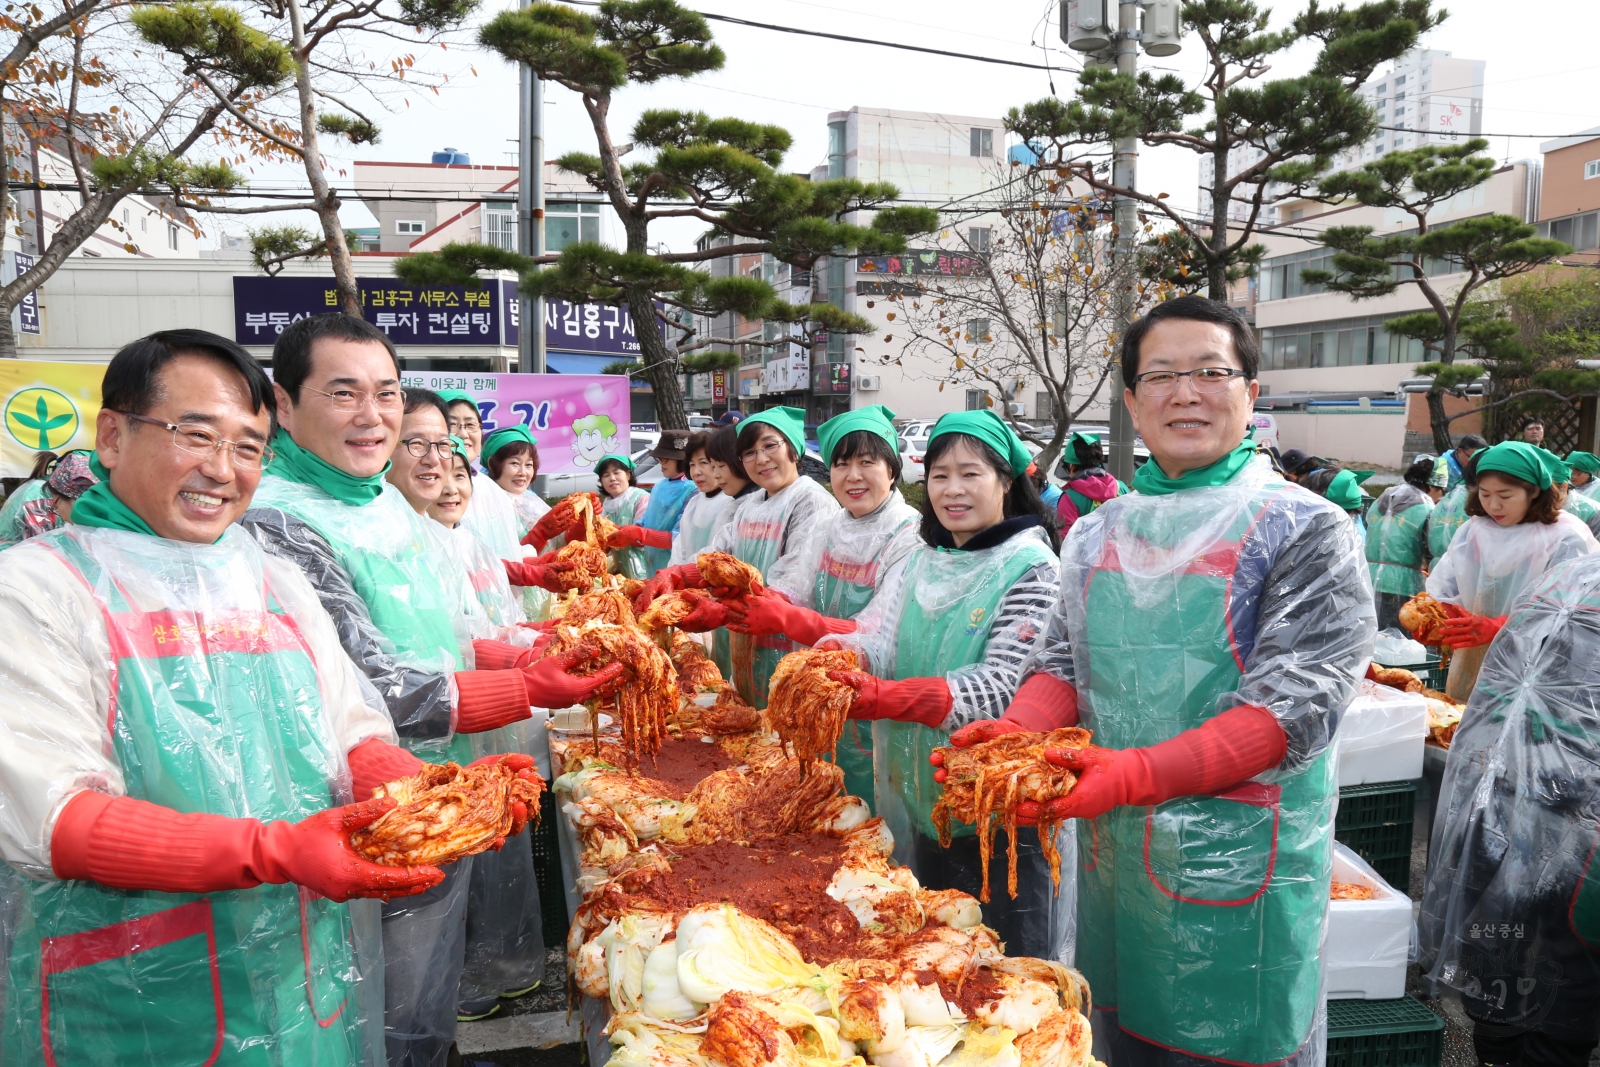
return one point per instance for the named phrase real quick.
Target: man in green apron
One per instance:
(180, 743)
(326, 507)
(1211, 627)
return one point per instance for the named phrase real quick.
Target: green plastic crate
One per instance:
(1384, 1033)
(1375, 822)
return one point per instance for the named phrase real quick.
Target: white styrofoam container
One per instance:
(1369, 941)
(1381, 735)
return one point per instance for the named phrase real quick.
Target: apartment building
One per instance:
(1569, 198)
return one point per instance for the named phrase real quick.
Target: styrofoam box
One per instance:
(1364, 957)
(1381, 735)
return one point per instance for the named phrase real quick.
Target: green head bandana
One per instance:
(459, 447)
(1151, 481)
(1587, 462)
(790, 422)
(1559, 471)
(505, 436)
(626, 461)
(1518, 459)
(99, 506)
(298, 465)
(456, 396)
(875, 419)
(1345, 490)
(1088, 440)
(987, 427)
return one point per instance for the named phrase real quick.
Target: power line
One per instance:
(859, 40)
(1441, 133)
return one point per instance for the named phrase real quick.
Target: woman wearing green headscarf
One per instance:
(1573, 502)
(1585, 473)
(768, 531)
(1516, 531)
(1397, 541)
(846, 559)
(943, 644)
(624, 503)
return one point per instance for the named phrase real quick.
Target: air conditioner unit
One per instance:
(867, 383)
(1014, 409)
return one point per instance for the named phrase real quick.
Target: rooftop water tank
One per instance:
(450, 155)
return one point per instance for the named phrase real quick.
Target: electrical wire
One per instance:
(1441, 133)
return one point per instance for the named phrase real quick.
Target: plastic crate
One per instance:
(547, 872)
(1432, 675)
(1384, 1033)
(1375, 821)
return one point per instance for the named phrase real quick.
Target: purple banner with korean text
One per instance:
(920, 261)
(576, 418)
(410, 315)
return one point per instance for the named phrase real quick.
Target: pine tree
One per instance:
(1486, 248)
(1298, 125)
(678, 164)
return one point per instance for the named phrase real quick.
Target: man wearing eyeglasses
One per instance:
(325, 505)
(177, 743)
(1211, 626)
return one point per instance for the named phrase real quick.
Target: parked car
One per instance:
(701, 422)
(913, 446)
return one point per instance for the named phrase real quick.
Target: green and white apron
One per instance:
(215, 708)
(1200, 919)
(384, 548)
(625, 509)
(949, 598)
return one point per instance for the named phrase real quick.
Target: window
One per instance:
(172, 236)
(1591, 169)
(1401, 80)
(978, 238)
(144, 225)
(566, 222)
(500, 227)
(982, 143)
(125, 217)
(836, 153)
(978, 330)
(1042, 408)
(977, 400)
(410, 226)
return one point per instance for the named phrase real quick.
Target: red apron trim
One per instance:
(305, 951)
(750, 530)
(854, 573)
(154, 634)
(481, 580)
(85, 949)
(1209, 1059)
(1250, 793)
(1572, 905)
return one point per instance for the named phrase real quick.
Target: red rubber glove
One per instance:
(522, 765)
(1452, 611)
(1043, 703)
(500, 656)
(924, 700)
(374, 762)
(1470, 631)
(131, 844)
(549, 527)
(550, 683)
(769, 613)
(542, 575)
(666, 580)
(707, 615)
(1229, 749)
(635, 536)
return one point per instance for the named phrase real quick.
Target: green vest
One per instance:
(949, 599)
(216, 709)
(1397, 546)
(384, 549)
(621, 509)
(1444, 520)
(1200, 920)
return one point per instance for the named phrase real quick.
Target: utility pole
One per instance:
(530, 215)
(1087, 26)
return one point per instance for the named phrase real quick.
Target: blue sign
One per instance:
(600, 329)
(28, 309)
(410, 315)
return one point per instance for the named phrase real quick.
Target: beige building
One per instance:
(1569, 204)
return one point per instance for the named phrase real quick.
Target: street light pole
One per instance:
(530, 215)
(1124, 174)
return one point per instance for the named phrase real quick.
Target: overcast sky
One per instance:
(1540, 81)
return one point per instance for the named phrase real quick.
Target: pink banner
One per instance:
(576, 418)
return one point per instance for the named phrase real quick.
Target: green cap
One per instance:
(626, 461)
(987, 427)
(791, 422)
(1518, 459)
(875, 419)
(1584, 461)
(456, 396)
(1345, 490)
(459, 447)
(505, 436)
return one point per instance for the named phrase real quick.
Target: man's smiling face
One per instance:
(1190, 429)
(358, 442)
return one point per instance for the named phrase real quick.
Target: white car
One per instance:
(913, 446)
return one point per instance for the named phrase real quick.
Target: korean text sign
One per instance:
(410, 315)
(577, 418)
